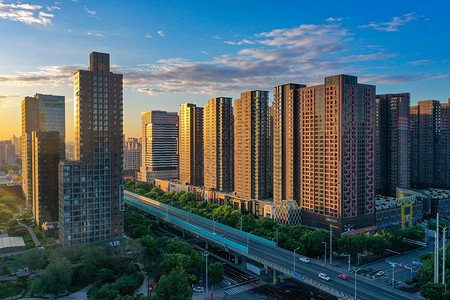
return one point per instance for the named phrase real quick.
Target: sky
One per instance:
(173, 52)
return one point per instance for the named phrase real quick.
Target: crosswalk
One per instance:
(244, 287)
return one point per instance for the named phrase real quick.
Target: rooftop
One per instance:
(9, 242)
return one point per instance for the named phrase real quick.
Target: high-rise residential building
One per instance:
(391, 143)
(91, 195)
(40, 113)
(16, 143)
(7, 153)
(218, 141)
(159, 146)
(132, 153)
(251, 145)
(430, 144)
(191, 144)
(286, 142)
(337, 128)
(45, 157)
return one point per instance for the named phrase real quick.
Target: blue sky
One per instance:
(172, 52)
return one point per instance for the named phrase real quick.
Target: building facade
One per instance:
(337, 128)
(45, 157)
(159, 146)
(7, 153)
(391, 143)
(251, 146)
(218, 141)
(132, 154)
(286, 142)
(430, 144)
(91, 196)
(40, 113)
(191, 144)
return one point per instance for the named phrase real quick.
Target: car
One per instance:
(227, 282)
(378, 274)
(324, 276)
(304, 259)
(343, 276)
(199, 289)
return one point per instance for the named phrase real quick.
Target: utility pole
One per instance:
(295, 259)
(443, 256)
(331, 244)
(393, 272)
(206, 255)
(356, 271)
(348, 255)
(436, 251)
(325, 254)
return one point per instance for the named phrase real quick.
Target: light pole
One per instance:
(325, 254)
(348, 255)
(276, 229)
(443, 257)
(393, 272)
(248, 234)
(206, 255)
(356, 271)
(331, 244)
(359, 254)
(294, 258)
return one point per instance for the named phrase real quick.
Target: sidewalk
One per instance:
(33, 236)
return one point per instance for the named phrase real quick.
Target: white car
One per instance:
(304, 259)
(199, 289)
(324, 276)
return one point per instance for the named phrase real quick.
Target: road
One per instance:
(366, 289)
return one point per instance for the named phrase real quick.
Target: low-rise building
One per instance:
(402, 211)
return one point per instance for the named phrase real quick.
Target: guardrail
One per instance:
(191, 215)
(196, 230)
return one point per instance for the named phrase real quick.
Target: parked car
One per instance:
(324, 276)
(199, 289)
(304, 259)
(343, 276)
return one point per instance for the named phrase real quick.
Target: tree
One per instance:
(376, 244)
(178, 260)
(312, 241)
(55, 279)
(150, 245)
(33, 259)
(215, 272)
(127, 284)
(432, 291)
(175, 286)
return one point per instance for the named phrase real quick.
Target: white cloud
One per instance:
(161, 33)
(239, 43)
(148, 36)
(52, 8)
(333, 19)
(25, 13)
(420, 62)
(95, 34)
(46, 75)
(393, 24)
(92, 12)
(205, 52)
(8, 101)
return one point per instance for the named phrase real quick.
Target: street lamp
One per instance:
(393, 272)
(325, 254)
(206, 255)
(277, 234)
(348, 255)
(248, 234)
(356, 271)
(359, 254)
(294, 258)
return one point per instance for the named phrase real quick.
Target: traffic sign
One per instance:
(298, 276)
(415, 262)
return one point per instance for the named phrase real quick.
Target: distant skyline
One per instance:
(173, 52)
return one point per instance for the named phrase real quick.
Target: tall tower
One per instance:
(91, 187)
(40, 113)
(429, 141)
(251, 145)
(391, 143)
(286, 141)
(218, 140)
(191, 144)
(337, 127)
(159, 146)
